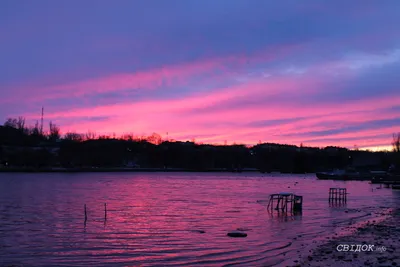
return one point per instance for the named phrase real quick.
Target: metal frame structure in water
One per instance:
(285, 201)
(337, 194)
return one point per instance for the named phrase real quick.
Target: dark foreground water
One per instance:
(157, 219)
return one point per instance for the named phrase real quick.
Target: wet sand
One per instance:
(380, 234)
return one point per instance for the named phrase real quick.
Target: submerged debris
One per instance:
(237, 234)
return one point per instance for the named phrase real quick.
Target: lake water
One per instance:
(157, 219)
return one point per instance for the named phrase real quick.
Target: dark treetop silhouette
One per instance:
(22, 146)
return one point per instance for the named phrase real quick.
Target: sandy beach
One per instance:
(384, 237)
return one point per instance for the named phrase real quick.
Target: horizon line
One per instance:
(115, 135)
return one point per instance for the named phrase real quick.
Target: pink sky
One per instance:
(314, 78)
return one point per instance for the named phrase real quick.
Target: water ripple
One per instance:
(168, 220)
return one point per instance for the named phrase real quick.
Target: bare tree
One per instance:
(155, 138)
(35, 130)
(396, 142)
(21, 123)
(141, 138)
(54, 133)
(90, 135)
(10, 122)
(73, 137)
(104, 137)
(128, 137)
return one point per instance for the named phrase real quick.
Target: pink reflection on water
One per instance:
(169, 219)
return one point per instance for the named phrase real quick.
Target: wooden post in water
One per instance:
(105, 211)
(85, 214)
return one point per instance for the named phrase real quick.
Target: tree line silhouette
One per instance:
(24, 146)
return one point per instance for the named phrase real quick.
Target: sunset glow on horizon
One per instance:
(235, 71)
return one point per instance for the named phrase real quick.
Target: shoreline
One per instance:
(132, 169)
(117, 169)
(383, 233)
